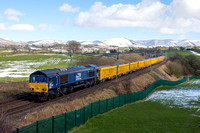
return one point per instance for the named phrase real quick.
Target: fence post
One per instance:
(75, 118)
(52, 124)
(91, 110)
(17, 130)
(65, 122)
(106, 105)
(84, 114)
(99, 107)
(37, 127)
(125, 99)
(119, 101)
(113, 102)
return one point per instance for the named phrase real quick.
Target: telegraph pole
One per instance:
(150, 61)
(117, 64)
(70, 54)
(166, 56)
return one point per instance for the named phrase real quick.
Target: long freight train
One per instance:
(52, 83)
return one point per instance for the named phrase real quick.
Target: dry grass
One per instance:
(101, 61)
(125, 58)
(8, 89)
(5, 125)
(133, 85)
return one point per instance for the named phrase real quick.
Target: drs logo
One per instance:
(78, 76)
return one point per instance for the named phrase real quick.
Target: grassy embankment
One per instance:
(146, 117)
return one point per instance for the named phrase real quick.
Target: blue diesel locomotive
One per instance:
(51, 83)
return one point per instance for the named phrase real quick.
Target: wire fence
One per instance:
(67, 121)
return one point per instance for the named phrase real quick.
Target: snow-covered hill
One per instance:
(116, 42)
(96, 42)
(123, 42)
(156, 43)
(4, 42)
(47, 42)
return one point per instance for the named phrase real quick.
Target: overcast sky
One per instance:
(98, 20)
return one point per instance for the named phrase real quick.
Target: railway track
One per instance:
(13, 106)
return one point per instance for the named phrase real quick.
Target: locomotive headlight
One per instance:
(32, 89)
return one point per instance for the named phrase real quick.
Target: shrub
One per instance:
(175, 68)
(194, 62)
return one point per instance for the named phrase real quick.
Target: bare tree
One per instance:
(27, 47)
(14, 49)
(74, 46)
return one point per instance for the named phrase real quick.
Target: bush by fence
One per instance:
(66, 122)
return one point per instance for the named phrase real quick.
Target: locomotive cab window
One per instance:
(42, 79)
(32, 79)
(51, 80)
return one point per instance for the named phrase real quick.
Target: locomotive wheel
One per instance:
(31, 98)
(87, 84)
(56, 93)
(71, 88)
(51, 96)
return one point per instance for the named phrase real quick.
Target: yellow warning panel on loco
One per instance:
(38, 87)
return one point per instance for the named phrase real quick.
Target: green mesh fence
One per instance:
(66, 122)
(59, 123)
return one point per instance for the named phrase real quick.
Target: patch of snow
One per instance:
(23, 68)
(183, 97)
(195, 53)
(194, 82)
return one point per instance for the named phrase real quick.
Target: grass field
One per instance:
(171, 53)
(164, 115)
(19, 67)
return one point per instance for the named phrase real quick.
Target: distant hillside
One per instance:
(46, 42)
(4, 42)
(113, 42)
(123, 42)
